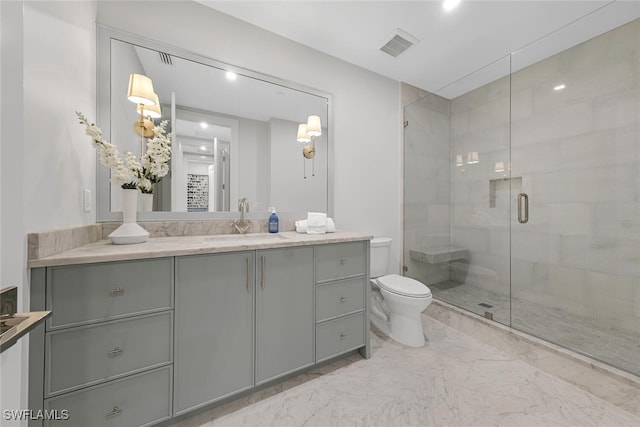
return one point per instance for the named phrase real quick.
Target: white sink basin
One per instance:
(243, 239)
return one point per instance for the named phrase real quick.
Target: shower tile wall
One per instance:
(426, 189)
(480, 220)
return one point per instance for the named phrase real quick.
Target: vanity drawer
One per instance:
(138, 400)
(340, 335)
(82, 294)
(339, 298)
(87, 355)
(340, 260)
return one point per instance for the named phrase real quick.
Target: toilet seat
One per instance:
(404, 286)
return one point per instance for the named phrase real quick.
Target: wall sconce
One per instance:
(499, 167)
(141, 92)
(151, 112)
(307, 133)
(459, 161)
(472, 158)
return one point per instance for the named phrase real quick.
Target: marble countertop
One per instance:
(104, 250)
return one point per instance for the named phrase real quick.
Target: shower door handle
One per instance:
(523, 203)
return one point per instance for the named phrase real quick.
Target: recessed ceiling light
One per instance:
(231, 75)
(559, 87)
(203, 148)
(203, 157)
(449, 5)
(204, 125)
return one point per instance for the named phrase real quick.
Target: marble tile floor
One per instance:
(454, 380)
(616, 347)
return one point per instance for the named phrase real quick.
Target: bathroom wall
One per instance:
(48, 72)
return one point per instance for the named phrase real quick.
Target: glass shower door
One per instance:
(457, 194)
(575, 149)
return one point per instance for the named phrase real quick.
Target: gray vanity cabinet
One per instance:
(214, 328)
(284, 311)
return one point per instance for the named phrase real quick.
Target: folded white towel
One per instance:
(301, 226)
(316, 222)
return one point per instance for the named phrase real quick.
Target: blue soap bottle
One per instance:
(273, 221)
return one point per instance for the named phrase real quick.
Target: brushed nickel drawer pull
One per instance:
(342, 337)
(115, 411)
(115, 352)
(343, 299)
(343, 261)
(262, 272)
(116, 291)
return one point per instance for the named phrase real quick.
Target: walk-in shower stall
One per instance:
(522, 196)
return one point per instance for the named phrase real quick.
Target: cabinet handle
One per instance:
(262, 272)
(115, 411)
(249, 274)
(342, 337)
(116, 291)
(343, 261)
(115, 352)
(343, 299)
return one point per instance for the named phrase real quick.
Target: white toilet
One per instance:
(396, 301)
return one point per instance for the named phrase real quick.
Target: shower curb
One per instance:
(613, 385)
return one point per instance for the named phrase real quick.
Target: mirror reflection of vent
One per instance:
(165, 58)
(397, 42)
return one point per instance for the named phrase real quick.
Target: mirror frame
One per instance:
(103, 186)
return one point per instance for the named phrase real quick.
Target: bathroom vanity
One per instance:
(143, 333)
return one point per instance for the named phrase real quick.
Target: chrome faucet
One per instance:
(243, 206)
(241, 225)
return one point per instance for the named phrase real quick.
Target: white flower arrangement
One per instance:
(155, 161)
(129, 173)
(125, 173)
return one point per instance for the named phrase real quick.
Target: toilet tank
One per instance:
(380, 248)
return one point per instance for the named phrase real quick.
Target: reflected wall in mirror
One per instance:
(233, 134)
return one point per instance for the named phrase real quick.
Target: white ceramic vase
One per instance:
(129, 232)
(146, 202)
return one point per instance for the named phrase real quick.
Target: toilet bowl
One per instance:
(396, 301)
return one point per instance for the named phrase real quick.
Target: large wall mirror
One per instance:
(234, 134)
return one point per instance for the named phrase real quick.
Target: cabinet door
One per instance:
(214, 328)
(284, 311)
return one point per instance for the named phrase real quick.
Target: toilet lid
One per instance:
(403, 286)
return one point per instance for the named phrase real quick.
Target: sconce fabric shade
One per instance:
(314, 127)
(141, 90)
(302, 133)
(472, 158)
(499, 167)
(152, 111)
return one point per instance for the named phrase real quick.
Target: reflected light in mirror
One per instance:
(141, 90)
(303, 136)
(314, 127)
(152, 111)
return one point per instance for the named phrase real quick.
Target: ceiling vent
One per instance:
(165, 58)
(397, 42)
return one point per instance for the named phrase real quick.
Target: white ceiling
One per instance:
(452, 45)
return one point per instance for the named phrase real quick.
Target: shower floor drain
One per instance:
(485, 305)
